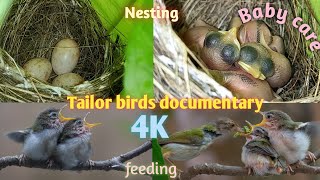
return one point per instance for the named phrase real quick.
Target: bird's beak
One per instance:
(254, 71)
(62, 118)
(65, 119)
(89, 125)
(264, 121)
(232, 34)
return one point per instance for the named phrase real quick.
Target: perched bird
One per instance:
(185, 145)
(259, 156)
(221, 49)
(243, 85)
(74, 145)
(40, 140)
(289, 138)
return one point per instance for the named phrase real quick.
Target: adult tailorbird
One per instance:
(185, 145)
(74, 145)
(289, 138)
(258, 154)
(40, 140)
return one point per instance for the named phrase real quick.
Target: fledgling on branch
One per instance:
(289, 138)
(74, 145)
(40, 140)
(259, 156)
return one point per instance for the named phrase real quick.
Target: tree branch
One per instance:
(115, 163)
(218, 169)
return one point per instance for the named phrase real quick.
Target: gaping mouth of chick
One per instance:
(256, 73)
(87, 125)
(63, 118)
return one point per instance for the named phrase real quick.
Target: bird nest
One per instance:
(34, 27)
(179, 72)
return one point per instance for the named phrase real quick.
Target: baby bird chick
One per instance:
(262, 62)
(194, 37)
(256, 60)
(243, 85)
(254, 31)
(221, 49)
(74, 145)
(289, 138)
(259, 156)
(40, 141)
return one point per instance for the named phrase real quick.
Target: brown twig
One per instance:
(116, 163)
(218, 169)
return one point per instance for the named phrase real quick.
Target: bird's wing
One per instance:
(262, 147)
(191, 137)
(311, 128)
(19, 136)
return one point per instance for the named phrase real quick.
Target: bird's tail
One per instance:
(311, 128)
(18, 136)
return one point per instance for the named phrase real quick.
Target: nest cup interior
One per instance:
(305, 78)
(34, 27)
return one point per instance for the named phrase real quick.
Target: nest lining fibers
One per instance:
(34, 27)
(176, 67)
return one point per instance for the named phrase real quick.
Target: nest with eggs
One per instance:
(180, 72)
(32, 30)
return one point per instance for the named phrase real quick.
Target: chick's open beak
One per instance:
(89, 125)
(264, 121)
(62, 118)
(251, 69)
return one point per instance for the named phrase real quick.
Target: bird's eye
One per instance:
(79, 122)
(269, 116)
(230, 54)
(267, 67)
(248, 54)
(212, 39)
(53, 115)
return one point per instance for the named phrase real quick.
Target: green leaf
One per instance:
(111, 12)
(5, 6)
(138, 79)
(316, 8)
(157, 157)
